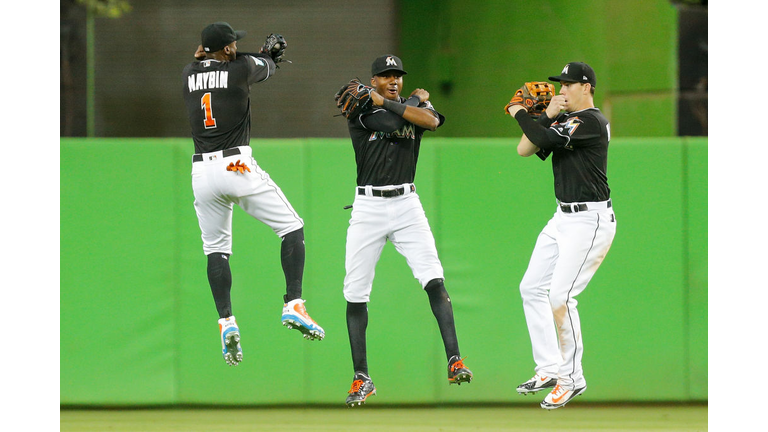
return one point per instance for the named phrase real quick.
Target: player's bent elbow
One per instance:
(526, 148)
(525, 152)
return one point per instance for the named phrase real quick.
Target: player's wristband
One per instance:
(393, 106)
(413, 101)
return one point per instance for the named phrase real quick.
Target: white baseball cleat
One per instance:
(295, 316)
(560, 396)
(230, 341)
(536, 384)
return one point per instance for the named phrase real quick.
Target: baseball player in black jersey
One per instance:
(216, 93)
(575, 241)
(386, 141)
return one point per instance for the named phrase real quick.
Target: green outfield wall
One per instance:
(138, 322)
(473, 54)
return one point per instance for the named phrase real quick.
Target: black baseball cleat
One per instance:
(457, 372)
(362, 387)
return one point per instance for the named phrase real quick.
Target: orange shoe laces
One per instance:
(458, 365)
(356, 384)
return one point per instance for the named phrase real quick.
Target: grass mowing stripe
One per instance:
(574, 417)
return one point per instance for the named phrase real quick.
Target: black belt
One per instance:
(386, 193)
(198, 157)
(575, 208)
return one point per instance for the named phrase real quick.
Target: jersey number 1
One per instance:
(205, 104)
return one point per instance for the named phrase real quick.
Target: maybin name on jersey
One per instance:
(207, 80)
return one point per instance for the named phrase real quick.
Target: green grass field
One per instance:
(574, 417)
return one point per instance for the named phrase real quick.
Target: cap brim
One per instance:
(393, 69)
(560, 78)
(239, 34)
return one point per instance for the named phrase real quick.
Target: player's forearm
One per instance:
(536, 132)
(265, 57)
(412, 113)
(388, 121)
(260, 55)
(421, 117)
(526, 148)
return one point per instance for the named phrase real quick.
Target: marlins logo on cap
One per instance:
(387, 62)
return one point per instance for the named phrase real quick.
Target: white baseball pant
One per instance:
(375, 220)
(567, 254)
(216, 190)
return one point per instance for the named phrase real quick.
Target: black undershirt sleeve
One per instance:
(537, 131)
(262, 55)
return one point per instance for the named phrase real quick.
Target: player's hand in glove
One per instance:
(533, 96)
(238, 167)
(274, 47)
(354, 98)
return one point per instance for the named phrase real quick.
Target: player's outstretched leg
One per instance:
(230, 341)
(559, 396)
(295, 316)
(536, 384)
(457, 372)
(362, 387)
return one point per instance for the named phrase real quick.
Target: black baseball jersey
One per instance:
(217, 96)
(580, 155)
(386, 145)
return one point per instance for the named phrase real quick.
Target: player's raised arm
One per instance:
(421, 117)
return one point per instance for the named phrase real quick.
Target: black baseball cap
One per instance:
(576, 72)
(218, 35)
(385, 63)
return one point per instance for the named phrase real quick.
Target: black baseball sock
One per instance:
(443, 311)
(292, 254)
(357, 323)
(220, 279)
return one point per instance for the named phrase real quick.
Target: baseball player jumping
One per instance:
(386, 135)
(576, 240)
(216, 94)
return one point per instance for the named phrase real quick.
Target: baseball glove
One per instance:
(274, 47)
(533, 96)
(354, 98)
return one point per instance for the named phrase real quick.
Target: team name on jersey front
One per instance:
(407, 131)
(207, 80)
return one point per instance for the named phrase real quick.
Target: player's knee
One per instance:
(558, 302)
(352, 295)
(528, 288)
